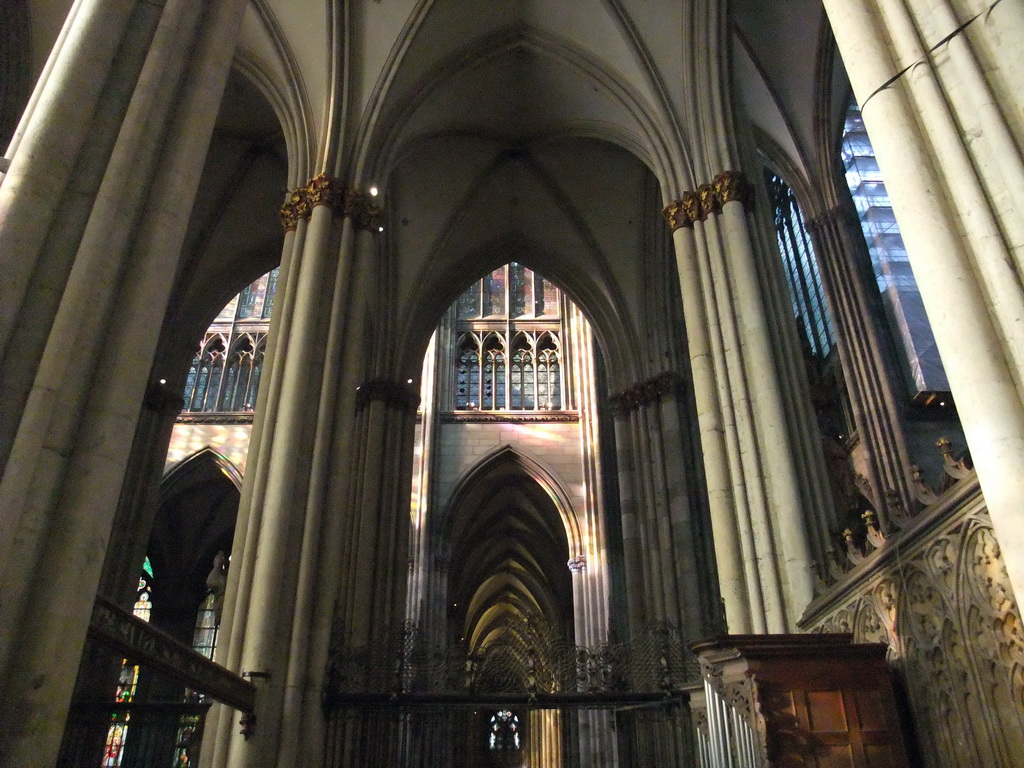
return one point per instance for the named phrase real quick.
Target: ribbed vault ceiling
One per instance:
(507, 561)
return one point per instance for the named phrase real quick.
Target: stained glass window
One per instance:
(268, 300)
(802, 274)
(489, 374)
(494, 293)
(520, 289)
(546, 302)
(503, 732)
(128, 680)
(492, 385)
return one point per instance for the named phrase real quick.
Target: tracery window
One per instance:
(895, 279)
(810, 309)
(508, 352)
(225, 373)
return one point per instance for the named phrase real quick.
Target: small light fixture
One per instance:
(409, 381)
(163, 381)
(374, 191)
(380, 229)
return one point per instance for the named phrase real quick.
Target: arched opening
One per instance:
(510, 605)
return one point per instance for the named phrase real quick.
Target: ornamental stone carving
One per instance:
(944, 605)
(708, 199)
(665, 384)
(732, 186)
(326, 190)
(295, 207)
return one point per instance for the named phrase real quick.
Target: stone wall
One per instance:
(556, 446)
(938, 594)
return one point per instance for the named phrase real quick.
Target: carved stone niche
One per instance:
(815, 701)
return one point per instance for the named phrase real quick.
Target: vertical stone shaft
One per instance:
(731, 578)
(970, 283)
(63, 478)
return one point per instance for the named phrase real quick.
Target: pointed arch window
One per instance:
(468, 372)
(204, 377)
(549, 385)
(492, 385)
(224, 375)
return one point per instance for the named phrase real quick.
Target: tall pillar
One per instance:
(93, 225)
(759, 448)
(876, 414)
(732, 579)
(289, 524)
(940, 98)
(662, 560)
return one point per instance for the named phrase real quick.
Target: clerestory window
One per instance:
(508, 350)
(904, 309)
(224, 376)
(802, 273)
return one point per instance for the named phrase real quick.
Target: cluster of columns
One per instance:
(662, 526)
(111, 143)
(666, 547)
(329, 458)
(885, 459)
(767, 494)
(938, 83)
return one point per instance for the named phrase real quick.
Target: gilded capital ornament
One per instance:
(323, 190)
(295, 207)
(732, 186)
(709, 202)
(674, 215)
(683, 212)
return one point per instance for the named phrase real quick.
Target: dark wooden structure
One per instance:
(781, 701)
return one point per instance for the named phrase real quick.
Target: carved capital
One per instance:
(360, 208)
(709, 203)
(732, 186)
(665, 384)
(324, 190)
(726, 187)
(296, 206)
(683, 212)
(673, 213)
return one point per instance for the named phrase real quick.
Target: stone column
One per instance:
(93, 225)
(591, 577)
(724, 524)
(663, 564)
(759, 456)
(876, 414)
(366, 638)
(288, 521)
(294, 218)
(941, 100)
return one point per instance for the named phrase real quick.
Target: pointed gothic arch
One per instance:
(506, 538)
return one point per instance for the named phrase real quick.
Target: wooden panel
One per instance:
(826, 711)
